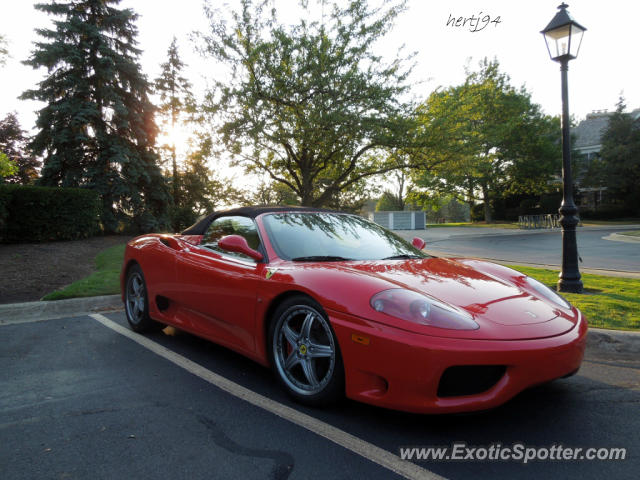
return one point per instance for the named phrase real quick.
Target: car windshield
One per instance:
(333, 237)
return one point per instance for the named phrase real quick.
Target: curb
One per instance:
(608, 341)
(618, 237)
(34, 311)
(613, 341)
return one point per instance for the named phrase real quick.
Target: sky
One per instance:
(606, 67)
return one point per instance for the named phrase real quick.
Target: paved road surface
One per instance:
(79, 400)
(537, 247)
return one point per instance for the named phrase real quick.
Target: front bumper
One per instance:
(396, 369)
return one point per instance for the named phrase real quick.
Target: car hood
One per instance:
(497, 297)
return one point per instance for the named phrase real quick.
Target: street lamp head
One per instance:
(563, 35)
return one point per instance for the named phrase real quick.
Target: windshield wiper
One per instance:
(404, 256)
(320, 258)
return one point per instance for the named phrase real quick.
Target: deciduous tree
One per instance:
(7, 167)
(13, 142)
(272, 193)
(201, 190)
(493, 139)
(310, 105)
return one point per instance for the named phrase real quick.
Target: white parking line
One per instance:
(365, 449)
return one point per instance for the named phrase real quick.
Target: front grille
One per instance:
(469, 379)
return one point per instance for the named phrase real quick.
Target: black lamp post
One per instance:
(563, 36)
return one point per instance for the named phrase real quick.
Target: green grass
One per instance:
(631, 233)
(608, 302)
(104, 281)
(632, 221)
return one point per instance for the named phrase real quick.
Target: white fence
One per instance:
(401, 220)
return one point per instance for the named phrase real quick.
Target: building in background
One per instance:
(587, 143)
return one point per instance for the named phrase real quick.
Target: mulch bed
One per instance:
(29, 271)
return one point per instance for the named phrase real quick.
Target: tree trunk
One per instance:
(487, 206)
(401, 180)
(306, 197)
(470, 201)
(176, 180)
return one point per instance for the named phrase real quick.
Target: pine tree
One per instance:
(194, 187)
(97, 129)
(175, 109)
(4, 53)
(620, 164)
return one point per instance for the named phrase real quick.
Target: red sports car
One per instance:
(337, 305)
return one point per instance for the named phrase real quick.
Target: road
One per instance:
(536, 247)
(79, 399)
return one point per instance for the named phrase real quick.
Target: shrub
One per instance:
(41, 214)
(5, 196)
(530, 206)
(607, 212)
(550, 202)
(477, 212)
(182, 217)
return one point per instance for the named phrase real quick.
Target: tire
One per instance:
(304, 352)
(136, 302)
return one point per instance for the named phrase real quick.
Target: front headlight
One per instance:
(414, 307)
(547, 293)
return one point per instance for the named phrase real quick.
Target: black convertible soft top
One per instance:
(201, 226)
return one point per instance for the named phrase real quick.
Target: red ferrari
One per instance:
(337, 305)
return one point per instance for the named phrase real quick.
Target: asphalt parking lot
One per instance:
(79, 399)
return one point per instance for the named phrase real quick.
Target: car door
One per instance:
(218, 289)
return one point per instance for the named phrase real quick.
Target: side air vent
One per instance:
(162, 303)
(469, 379)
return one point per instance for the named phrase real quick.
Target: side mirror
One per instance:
(418, 243)
(236, 243)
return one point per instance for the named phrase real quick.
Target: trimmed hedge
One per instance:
(5, 196)
(608, 212)
(42, 214)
